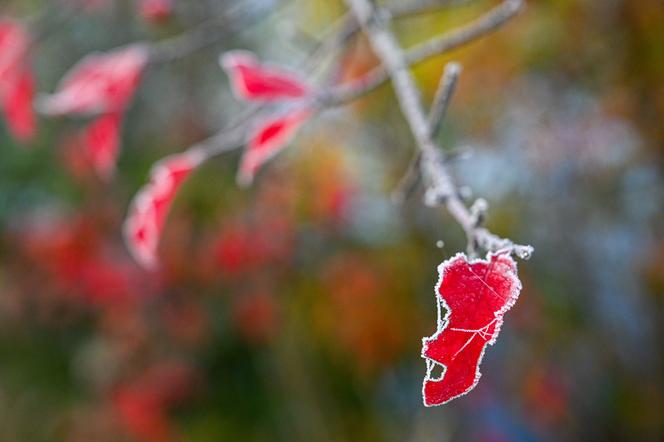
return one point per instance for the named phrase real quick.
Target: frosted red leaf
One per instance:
(99, 83)
(474, 295)
(101, 141)
(252, 80)
(147, 215)
(16, 81)
(268, 138)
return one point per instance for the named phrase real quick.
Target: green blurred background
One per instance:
(294, 310)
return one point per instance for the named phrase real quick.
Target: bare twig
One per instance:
(346, 27)
(485, 24)
(441, 189)
(441, 100)
(205, 34)
(409, 182)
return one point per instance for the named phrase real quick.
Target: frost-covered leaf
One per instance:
(267, 139)
(147, 215)
(474, 296)
(16, 80)
(99, 83)
(252, 80)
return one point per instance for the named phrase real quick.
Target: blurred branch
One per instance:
(441, 100)
(487, 23)
(483, 25)
(441, 189)
(347, 26)
(205, 34)
(173, 48)
(409, 182)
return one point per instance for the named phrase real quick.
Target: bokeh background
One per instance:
(294, 310)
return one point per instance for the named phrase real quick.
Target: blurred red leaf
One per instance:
(252, 80)
(151, 204)
(16, 81)
(142, 404)
(242, 248)
(267, 140)
(101, 141)
(17, 105)
(475, 296)
(156, 11)
(99, 83)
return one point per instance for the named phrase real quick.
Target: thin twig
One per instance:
(209, 32)
(346, 27)
(484, 25)
(408, 184)
(441, 100)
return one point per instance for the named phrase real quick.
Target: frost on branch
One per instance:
(16, 80)
(151, 204)
(268, 139)
(252, 80)
(475, 295)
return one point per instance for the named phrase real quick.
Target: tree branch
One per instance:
(205, 34)
(441, 189)
(485, 24)
(408, 184)
(441, 100)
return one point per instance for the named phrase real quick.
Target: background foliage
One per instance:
(294, 310)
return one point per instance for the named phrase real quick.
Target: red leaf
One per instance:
(99, 83)
(268, 139)
(252, 80)
(17, 105)
(156, 11)
(475, 295)
(101, 141)
(14, 44)
(16, 81)
(151, 204)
